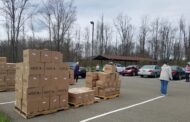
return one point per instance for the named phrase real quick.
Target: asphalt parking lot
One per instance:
(140, 101)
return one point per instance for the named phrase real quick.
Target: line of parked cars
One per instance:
(178, 72)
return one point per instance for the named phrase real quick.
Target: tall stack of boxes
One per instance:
(71, 77)
(105, 84)
(7, 75)
(81, 96)
(41, 82)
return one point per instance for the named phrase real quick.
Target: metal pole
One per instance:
(91, 22)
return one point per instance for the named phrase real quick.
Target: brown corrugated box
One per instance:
(30, 106)
(46, 56)
(109, 68)
(57, 57)
(104, 76)
(32, 81)
(63, 100)
(102, 84)
(31, 93)
(3, 60)
(31, 55)
(33, 69)
(92, 75)
(54, 102)
(44, 104)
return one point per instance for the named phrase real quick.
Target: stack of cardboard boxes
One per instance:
(7, 75)
(41, 82)
(71, 77)
(81, 96)
(105, 84)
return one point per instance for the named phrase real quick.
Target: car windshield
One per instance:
(119, 65)
(148, 67)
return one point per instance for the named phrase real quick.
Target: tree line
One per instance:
(159, 39)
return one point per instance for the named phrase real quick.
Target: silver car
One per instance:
(150, 70)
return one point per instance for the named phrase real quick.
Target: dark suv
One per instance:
(82, 70)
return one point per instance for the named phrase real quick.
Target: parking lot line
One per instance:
(7, 103)
(121, 109)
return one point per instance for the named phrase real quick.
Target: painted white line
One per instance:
(121, 109)
(7, 103)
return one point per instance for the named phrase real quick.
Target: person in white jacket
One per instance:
(165, 77)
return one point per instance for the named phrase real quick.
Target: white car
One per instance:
(150, 70)
(119, 68)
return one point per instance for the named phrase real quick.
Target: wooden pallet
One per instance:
(28, 116)
(96, 100)
(108, 97)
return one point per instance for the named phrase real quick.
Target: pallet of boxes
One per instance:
(7, 75)
(81, 96)
(106, 85)
(41, 83)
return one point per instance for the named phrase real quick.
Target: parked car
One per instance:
(150, 70)
(82, 70)
(131, 70)
(177, 72)
(119, 67)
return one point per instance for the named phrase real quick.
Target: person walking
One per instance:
(187, 71)
(76, 71)
(165, 77)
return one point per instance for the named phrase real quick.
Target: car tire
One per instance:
(155, 75)
(179, 77)
(142, 76)
(134, 74)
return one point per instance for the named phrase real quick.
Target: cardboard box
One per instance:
(71, 81)
(45, 80)
(71, 74)
(102, 84)
(46, 56)
(32, 81)
(31, 93)
(109, 68)
(50, 68)
(11, 66)
(92, 75)
(33, 69)
(18, 103)
(90, 83)
(31, 56)
(63, 101)
(76, 96)
(44, 104)
(18, 93)
(96, 91)
(104, 76)
(30, 106)
(3, 60)
(10, 80)
(54, 102)
(57, 57)
(3, 72)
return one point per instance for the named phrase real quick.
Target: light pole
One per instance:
(92, 22)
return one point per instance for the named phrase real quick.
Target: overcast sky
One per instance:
(136, 9)
(88, 10)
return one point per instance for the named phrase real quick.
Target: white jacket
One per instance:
(166, 73)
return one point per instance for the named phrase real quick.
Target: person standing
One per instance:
(187, 71)
(97, 68)
(76, 71)
(165, 77)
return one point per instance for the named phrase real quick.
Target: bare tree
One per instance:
(143, 33)
(125, 31)
(59, 16)
(14, 12)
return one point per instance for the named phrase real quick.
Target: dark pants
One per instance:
(187, 77)
(164, 86)
(76, 77)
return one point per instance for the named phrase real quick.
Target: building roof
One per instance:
(123, 58)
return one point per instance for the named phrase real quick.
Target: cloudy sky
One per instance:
(136, 9)
(88, 10)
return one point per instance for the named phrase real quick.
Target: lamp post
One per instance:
(92, 22)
